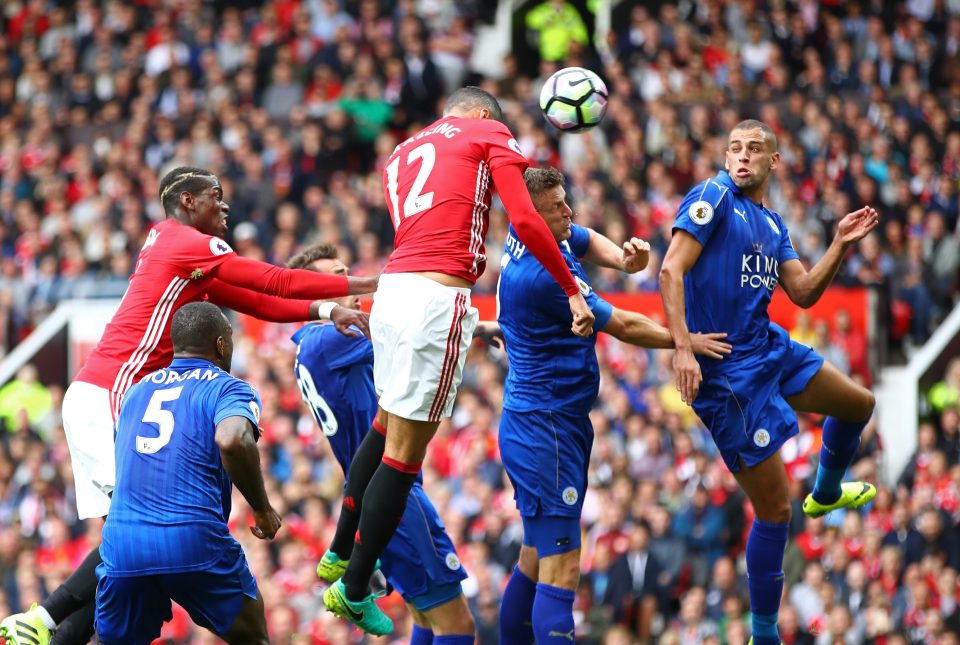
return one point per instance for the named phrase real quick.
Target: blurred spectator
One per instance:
(24, 401)
(946, 393)
(557, 24)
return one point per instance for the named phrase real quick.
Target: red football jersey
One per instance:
(170, 272)
(437, 187)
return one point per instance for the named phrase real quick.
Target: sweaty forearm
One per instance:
(639, 330)
(242, 462)
(603, 252)
(822, 274)
(674, 307)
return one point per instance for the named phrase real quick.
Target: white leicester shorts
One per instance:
(88, 424)
(421, 331)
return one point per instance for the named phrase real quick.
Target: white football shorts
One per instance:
(421, 331)
(88, 424)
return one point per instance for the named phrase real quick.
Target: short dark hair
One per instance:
(540, 179)
(196, 326)
(305, 258)
(470, 97)
(183, 179)
(753, 124)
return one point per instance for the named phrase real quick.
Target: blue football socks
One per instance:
(553, 615)
(516, 610)
(454, 639)
(421, 636)
(765, 548)
(839, 446)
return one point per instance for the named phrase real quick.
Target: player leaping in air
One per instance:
(727, 255)
(335, 374)
(545, 431)
(437, 185)
(182, 260)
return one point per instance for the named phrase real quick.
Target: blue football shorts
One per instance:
(743, 402)
(420, 561)
(546, 455)
(131, 611)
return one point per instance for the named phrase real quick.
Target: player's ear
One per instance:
(774, 160)
(221, 346)
(484, 113)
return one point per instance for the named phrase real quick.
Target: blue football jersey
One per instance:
(550, 367)
(172, 497)
(729, 287)
(335, 374)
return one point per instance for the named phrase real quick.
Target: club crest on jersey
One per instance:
(219, 247)
(701, 212)
(762, 438)
(256, 410)
(452, 561)
(196, 274)
(773, 225)
(570, 495)
(584, 287)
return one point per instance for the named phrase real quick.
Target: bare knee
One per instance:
(868, 403)
(860, 407)
(776, 511)
(451, 618)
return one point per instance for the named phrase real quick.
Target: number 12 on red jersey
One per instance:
(415, 202)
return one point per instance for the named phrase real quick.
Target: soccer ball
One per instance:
(574, 99)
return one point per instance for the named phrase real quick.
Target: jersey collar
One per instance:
(187, 363)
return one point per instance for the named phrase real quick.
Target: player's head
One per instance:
(550, 199)
(751, 156)
(199, 329)
(324, 258)
(194, 197)
(472, 102)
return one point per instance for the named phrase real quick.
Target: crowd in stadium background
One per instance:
(296, 103)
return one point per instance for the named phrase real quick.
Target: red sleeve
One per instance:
(530, 226)
(501, 148)
(278, 281)
(258, 305)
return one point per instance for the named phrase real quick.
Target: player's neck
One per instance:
(198, 357)
(756, 195)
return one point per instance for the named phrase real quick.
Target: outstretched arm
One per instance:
(681, 256)
(637, 329)
(290, 283)
(535, 234)
(805, 287)
(602, 252)
(275, 309)
(259, 305)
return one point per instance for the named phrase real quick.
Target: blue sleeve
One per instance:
(341, 351)
(556, 304)
(702, 210)
(787, 252)
(579, 240)
(601, 309)
(237, 399)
